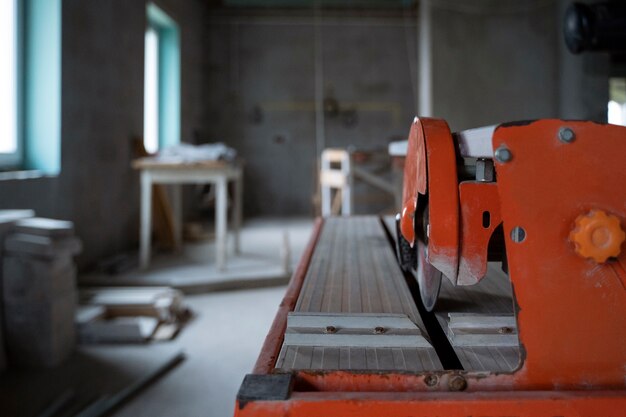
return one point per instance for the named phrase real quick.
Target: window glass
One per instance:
(161, 80)
(8, 77)
(151, 91)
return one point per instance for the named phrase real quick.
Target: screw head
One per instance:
(503, 154)
(505, 330)
(379, 330)
(331, 329)
(566, 135)
(457, 383)
(431, 380)
(518, 234)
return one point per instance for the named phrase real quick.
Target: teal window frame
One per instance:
(38, 88)
(168, 74)
(14, 159)
(41, 85)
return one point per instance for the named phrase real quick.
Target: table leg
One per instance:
(177, 209)
(348, 186)
(237, 209)
(221, 202)
(145, 232)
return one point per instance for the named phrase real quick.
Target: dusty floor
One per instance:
(221, 347)
(264, 258)
(221, 343)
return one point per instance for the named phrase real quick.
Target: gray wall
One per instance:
(583, 80)
(492, 61)
(491, 67)
(496, 61)
(262, 95)
(102, 108)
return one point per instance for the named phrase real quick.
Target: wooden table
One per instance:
(219, 173)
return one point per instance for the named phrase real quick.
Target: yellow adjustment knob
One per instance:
(597, 235)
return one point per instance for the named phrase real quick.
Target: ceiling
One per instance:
(326, 4)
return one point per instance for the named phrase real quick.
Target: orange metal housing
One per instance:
(571, 313)
(430, 171)
(480, 215)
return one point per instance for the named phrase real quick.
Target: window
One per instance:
(10, 149)
(617, 101)
(161, 81)
(30, 85)
(151, 91)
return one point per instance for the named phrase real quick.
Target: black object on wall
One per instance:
(597, 27)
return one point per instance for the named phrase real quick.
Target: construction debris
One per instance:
(39, 292)
(57, 229)
(118, 330)
(129, 315)
(8, 218)
(164, 303)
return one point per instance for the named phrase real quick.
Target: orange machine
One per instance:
(543, 201)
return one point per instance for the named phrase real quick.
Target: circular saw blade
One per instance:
(428, 277)
(405, 253)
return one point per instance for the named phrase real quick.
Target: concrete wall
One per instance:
(491, 66)
(496, 61)
(492, 61)
(583, 79)
(263, 86)
(102, 109)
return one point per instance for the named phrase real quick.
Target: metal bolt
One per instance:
(503, 154)
(457, 383)
(331, 329)
(505, 330)
(431, 380)
(379, 330)
(518, 234)
(484, 170)
(566, 135)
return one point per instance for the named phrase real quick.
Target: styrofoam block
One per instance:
(41, 334)
(36, 279)
(45, 227)
(44, 246)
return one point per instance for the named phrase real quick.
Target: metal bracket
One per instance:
(265, 387)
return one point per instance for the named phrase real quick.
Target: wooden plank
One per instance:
(45, 227)
(118, 330)
(164, 303)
